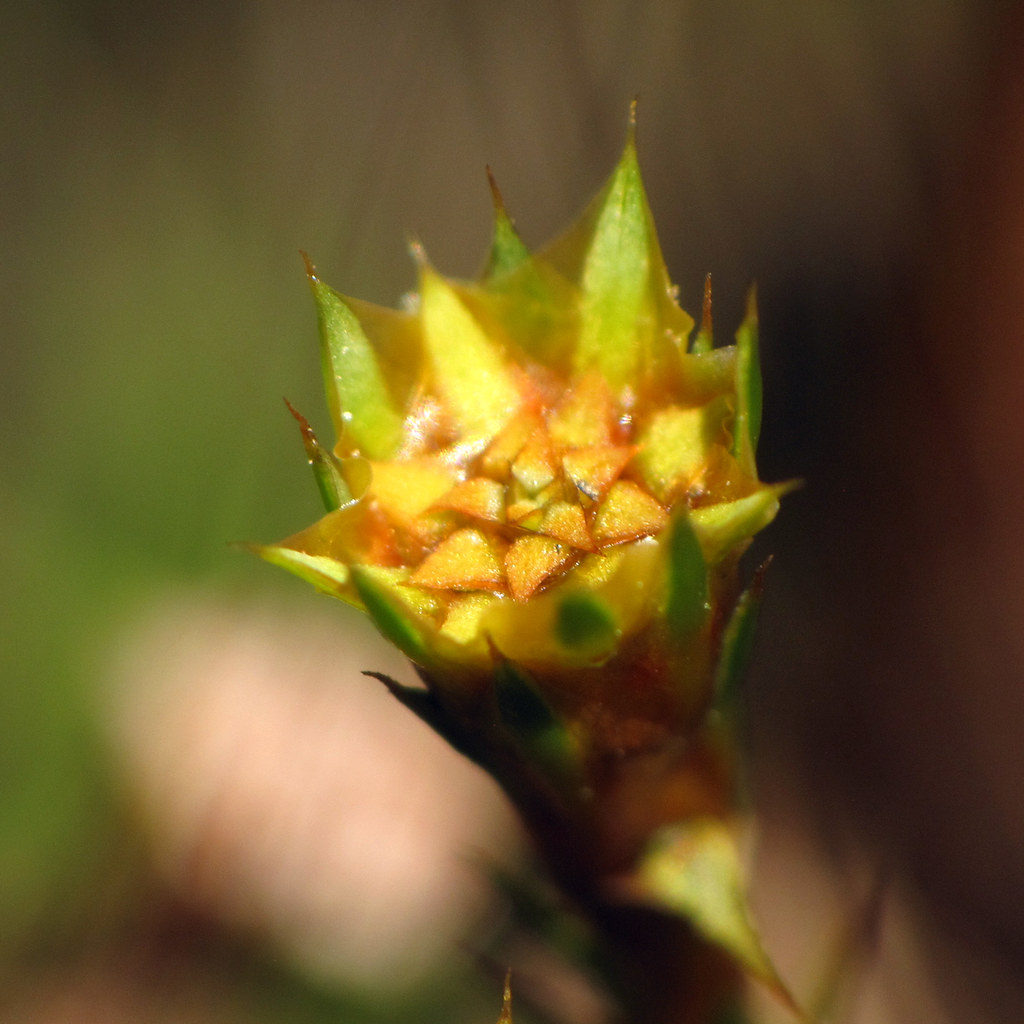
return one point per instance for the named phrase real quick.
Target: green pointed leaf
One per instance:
(694, 870)
(340, 482)
(326, 574)
(738, 640)
(357, 394)
(585, 625)
(521, 707)
(397, 347)
(426, 706)
(687, 605)
(507, 249)
(528, 717)
(469, 369)
(457, 732)
(747, 423)
(616, 280)
(725, 526)
(390, 614)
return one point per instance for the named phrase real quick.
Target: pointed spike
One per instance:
(426, 705)
(492, 182)
(326, 468)
(507, 249)
(705, 339)
(357, 394)
(596, 468)
(506, 1002)
(423, 703)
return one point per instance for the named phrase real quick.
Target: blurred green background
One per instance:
(161, 167)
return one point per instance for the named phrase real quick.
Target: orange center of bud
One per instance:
(551, 488)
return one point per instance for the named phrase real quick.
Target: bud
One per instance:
(546, 467)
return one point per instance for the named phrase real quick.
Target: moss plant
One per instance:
(542, 485)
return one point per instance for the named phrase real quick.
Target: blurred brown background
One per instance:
(188, 818)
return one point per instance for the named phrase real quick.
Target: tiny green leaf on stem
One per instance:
(687, 600)
(389, 615)
(326, 468)
(585, 625)
(747, 422)
(738, 640)
(724, 527)
(528, 717)
(694, 870)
